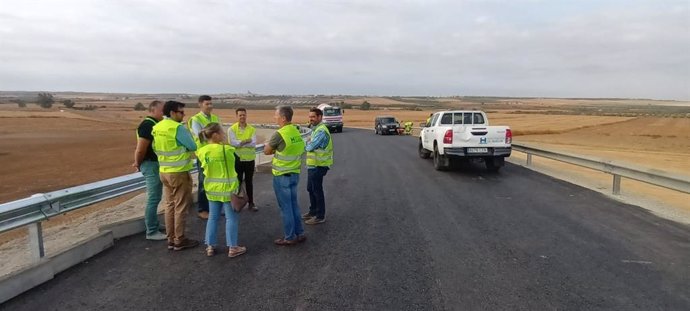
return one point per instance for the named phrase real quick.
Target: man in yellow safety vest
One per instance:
(146, 162)
(174, 145)
(196, 123)
(242, 136)
(287, 147)
(319, 161)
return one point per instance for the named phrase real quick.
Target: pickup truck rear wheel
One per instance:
(440, 161)
(423, 153)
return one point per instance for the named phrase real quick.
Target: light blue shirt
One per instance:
(184, 138)
(319, 140)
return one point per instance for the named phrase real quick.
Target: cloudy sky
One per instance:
(550, 48)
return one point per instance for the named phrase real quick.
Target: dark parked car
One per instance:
(386, 125)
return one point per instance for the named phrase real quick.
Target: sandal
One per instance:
(285, 242)
(236, 251)
(210, 251)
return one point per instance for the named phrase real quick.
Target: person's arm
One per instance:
(184, 138)
(196, 127)
(317, 142)
(144, 132)
(269, 150)
(140, 152)
(272, 145)
(252, 141)
(232, 139)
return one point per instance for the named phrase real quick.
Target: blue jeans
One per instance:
(232, 221)
(154, 190)
(285, 188)
(317, 200)
(202, 205)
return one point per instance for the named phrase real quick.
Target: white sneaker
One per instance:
(158, 236)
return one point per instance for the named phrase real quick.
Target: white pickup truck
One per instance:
(455, 135)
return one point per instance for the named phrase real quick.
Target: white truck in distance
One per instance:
(332, 117)
(455, 135)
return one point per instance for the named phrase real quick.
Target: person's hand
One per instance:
(136, 167)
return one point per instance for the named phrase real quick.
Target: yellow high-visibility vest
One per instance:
(244, 153)
(220, 180)
(202, 119)
(172, 157)
(321, 157)
(289, 160)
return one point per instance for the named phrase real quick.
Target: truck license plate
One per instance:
(477, 150)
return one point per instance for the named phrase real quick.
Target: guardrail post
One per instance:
(36, 241)
(529, 159)
(616, 184)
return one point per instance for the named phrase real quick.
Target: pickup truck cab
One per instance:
(454, 135)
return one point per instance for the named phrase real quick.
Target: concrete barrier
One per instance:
(18, 282)
(25, 279)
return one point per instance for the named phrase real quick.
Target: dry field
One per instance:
(46, 149)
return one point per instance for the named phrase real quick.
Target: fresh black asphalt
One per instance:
(401, 236)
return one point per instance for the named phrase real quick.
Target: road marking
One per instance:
(642, 262)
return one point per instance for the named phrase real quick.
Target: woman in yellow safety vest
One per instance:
(218, 162)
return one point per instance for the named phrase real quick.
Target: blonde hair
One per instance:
(209, 130)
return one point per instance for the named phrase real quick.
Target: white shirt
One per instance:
(232, 139)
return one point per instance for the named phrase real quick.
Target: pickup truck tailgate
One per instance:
(479, 136)
(479, 141)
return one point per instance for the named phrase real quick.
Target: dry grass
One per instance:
(108, 134)
(75, 147)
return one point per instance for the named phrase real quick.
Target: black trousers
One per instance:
(245, 173)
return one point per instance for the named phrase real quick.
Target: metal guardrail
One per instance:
(650, 176)
(37, 208)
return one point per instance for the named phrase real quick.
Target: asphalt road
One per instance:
(401, 236)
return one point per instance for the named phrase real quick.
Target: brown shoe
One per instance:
(210, 251)
(171, 245)
(314, 221)
(185, 244)
(306, 216)
(236, 251)
(301, 238)
(203, 215)
(284, 242)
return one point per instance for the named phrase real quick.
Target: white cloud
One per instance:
(517, 48)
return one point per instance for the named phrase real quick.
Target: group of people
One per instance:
(164, 154)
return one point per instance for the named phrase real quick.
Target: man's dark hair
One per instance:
(285, 111)
(171, 106)
(203, 98)
(240, 109)
(317, 111)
